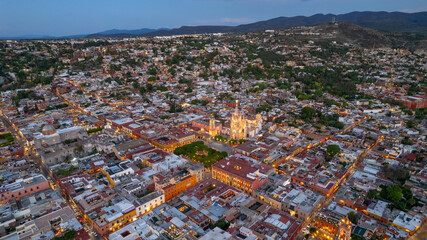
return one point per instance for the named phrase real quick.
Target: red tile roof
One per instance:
(81, 235)
(240, 167)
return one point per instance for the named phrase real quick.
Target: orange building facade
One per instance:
(175, 189)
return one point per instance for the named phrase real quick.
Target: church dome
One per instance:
(48, 130)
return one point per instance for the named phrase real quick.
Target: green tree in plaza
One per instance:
(333, 149)
(220, 138)
(199, 152)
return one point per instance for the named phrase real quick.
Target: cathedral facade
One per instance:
(214, 129)
(237, 124)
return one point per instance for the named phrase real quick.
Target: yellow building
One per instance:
(213, 129)
(345, 229)
(113, 217)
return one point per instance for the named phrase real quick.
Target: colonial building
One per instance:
(172, 183)
(51, 136)
(345, 229)
(213, 128)
(241, 173)
(253, 125)
(237, 124)
(23, 187)
(111, 218)
(241, 127)
(145, 204)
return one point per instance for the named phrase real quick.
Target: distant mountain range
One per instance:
(134, 32)
(385, 21)
(100, 34)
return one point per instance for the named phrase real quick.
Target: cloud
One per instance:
(235, 20)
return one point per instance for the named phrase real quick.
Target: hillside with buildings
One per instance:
(311, 132)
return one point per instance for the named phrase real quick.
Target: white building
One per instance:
(171, 162)
(145, 204)
(119, 170)
(217, 233)
(52, 136)
(136, 230)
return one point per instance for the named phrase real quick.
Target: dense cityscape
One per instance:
(295, 133)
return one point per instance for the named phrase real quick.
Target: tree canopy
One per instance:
(199, 152)
(307, 113)
(352, 216)
(333, 149)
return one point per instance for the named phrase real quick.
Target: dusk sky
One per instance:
(68, 17)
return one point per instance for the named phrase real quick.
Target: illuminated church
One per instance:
(237, 124)
(240, 127)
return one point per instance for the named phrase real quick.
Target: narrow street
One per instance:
(340, 183)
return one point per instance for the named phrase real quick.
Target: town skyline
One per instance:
(288, 129)
(51, 18)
